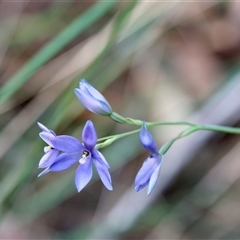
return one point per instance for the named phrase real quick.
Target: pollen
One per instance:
(47, 149)
(82, 160)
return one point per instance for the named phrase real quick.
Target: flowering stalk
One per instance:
(194, 127)
(95, 102)
(64, 151)
(106, 141)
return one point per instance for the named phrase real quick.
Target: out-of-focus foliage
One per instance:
(168, 61)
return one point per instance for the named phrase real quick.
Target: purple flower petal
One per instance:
(48, 158)
(154, 179)
(147, 139)
(64, 161)
(103, 174)
(87, 87)
(47, 137)
(92, 104)
(45, 129)
(83, 175)
(67, 143)
(147, 169)
(100, 158)
(44, 172)
(89, 135)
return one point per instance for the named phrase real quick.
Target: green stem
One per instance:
(110, 139)
(216, 128)
(150, 124)
(195, 127)
(121, 119)
(191, 129)
(117, 136)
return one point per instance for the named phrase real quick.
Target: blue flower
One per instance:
(92, 99)
(85, 153)
(51, 153)
(149, 172)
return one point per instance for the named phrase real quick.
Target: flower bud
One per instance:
(150, 170)
(92, 99)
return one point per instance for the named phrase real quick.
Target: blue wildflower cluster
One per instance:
(64, 151)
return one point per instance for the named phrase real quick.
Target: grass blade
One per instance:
(53, 47)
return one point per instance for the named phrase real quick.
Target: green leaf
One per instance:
(53, 47)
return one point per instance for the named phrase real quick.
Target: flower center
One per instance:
(82, 160)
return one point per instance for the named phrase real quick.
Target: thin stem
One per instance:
(195, 127)
(150, 124)
(216, 128)
(131, 121)
(120, 119)
(191, 129)
(117, 136)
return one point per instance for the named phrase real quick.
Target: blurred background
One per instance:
(155, 61)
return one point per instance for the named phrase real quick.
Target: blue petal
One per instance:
(48, 158)
(45, 129)
(83, 175)
(87, 87)
(104, 175)
(67, 143)
(47, 137)
(100, 158)
(154, 179)
(89, 135)
(147, 169)
(64, 161)
(44, 172)
(147, 139)
(93, 104)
